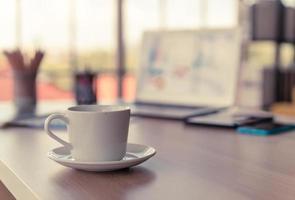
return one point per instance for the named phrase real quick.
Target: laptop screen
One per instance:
(193, 68)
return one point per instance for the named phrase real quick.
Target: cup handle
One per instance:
(50, 133)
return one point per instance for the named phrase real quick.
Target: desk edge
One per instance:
(15, 185)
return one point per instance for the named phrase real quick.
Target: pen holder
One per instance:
(24, 93)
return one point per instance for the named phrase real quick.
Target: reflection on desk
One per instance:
(191, 163)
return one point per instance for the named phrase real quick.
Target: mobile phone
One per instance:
(266, 128)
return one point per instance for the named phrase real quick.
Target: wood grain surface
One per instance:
(4, 193)
(191, 163)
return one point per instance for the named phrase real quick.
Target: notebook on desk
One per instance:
(231, 118)
(186, 73)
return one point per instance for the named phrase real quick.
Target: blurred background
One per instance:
(83, 34)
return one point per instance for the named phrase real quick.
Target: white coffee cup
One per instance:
(96, 133)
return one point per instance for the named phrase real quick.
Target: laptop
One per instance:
(187, 73)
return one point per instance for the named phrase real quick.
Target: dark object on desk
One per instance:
(85, 88)
(285, 82)
(266, 128)
(228, 118)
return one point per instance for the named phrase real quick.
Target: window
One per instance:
(7, 40)
(81, 34)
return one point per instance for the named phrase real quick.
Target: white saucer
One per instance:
(136, 154)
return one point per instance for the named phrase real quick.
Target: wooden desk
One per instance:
(191, 163)
(4, 193)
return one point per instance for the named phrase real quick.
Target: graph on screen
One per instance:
(189, 67)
